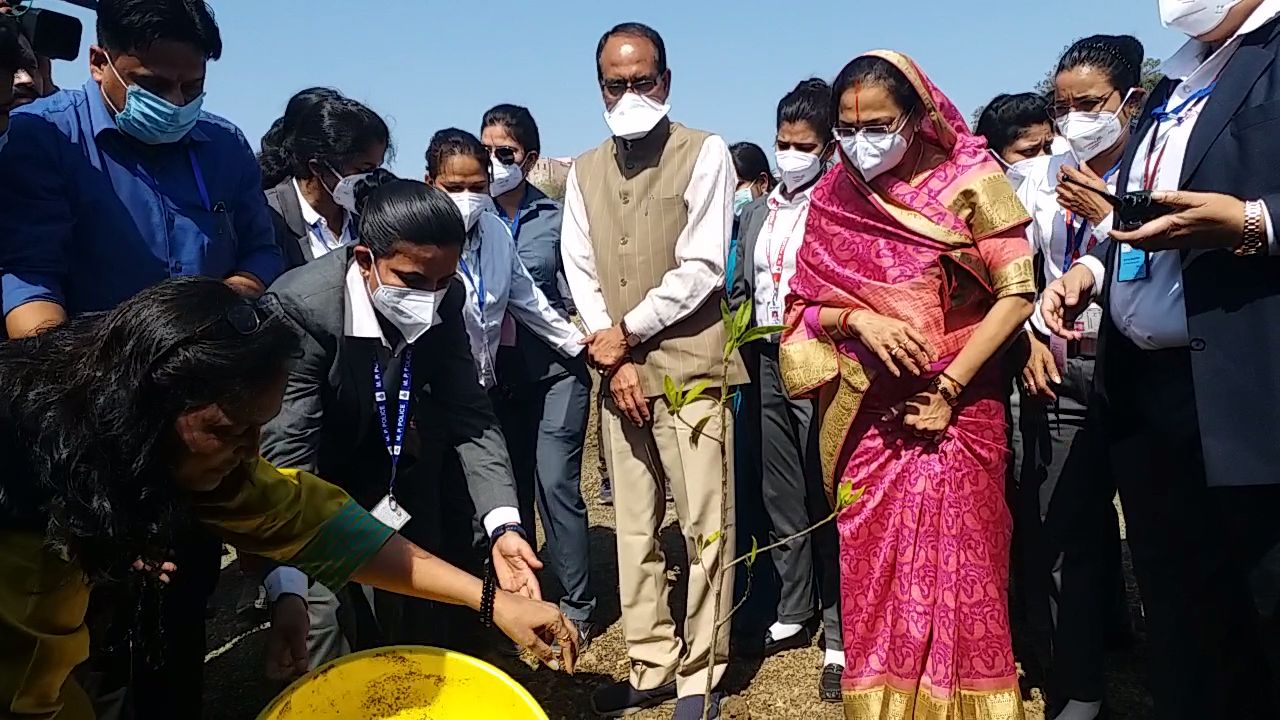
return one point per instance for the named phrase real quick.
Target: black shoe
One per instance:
(801, 639)
(690, 708)
(621, 698)
(829, 685)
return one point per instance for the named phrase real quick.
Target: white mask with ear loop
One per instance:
(1091, 133)
(412, 311)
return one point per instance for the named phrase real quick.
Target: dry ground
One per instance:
(782, 687)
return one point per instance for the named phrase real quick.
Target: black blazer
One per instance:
(292, 234)
(742, 286)
(328, 424)
(1233, 304)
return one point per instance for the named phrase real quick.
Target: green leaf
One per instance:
(741, 321)
(698, 431)
(726, 315)
(759, 333)
(712, 538)
(755, 548)
(696, 391)
(672, 392)
(847, 495)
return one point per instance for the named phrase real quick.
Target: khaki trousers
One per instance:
(638, 459)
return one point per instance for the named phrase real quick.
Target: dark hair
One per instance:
(128, 25)
(318, 124)
(452, 141)
(11, 56)
(809, 103)
(635, 30)
(93, 404)
(750, 162)
(1120, 56)
(872, 70)
(518, 122)
(395, 210)
(1006, 117)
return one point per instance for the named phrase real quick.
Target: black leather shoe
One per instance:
(801, 639)
(690, 708)
(829, 684)
(621, 698)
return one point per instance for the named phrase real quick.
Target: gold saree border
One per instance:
(889, 703)
(1015, 278)
(989, 206)
(809, 364)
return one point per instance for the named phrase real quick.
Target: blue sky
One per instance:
(428, 64)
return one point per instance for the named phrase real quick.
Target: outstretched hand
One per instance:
(516, 564)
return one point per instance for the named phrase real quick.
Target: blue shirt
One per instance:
(94, 216)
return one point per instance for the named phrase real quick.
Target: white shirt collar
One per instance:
(1194, 53)
(313, 218)
(778, 200)
(361, 321)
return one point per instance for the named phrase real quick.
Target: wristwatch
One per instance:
(632, 338)
(1254, 239)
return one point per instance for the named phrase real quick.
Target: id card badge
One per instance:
(391, 513)
(1090, 324)
(774, 312)
(1058, 348)
(1133, 264)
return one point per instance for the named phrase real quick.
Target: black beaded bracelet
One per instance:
(487, 594)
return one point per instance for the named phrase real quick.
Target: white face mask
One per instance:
(798, 168)
(874, 154)
(1195, 17)
(472, 206)
(413, 312)
(635, 115)
(344, 193)
(1018, 171)
(505, 178)
(1090, 133)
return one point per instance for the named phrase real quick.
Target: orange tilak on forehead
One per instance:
(857, 90)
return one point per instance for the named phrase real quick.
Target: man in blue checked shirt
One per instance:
(113, 187)
(126, 181)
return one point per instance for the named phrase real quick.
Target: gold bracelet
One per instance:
(1253, 239)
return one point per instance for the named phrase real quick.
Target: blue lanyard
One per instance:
(513, 224)
(402, 417)
(477, 280)
(195, 168)
(1162, 115)
(1075, 236)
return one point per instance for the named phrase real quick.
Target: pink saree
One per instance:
(924, 554)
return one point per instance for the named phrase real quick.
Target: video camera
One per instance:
(51, 34)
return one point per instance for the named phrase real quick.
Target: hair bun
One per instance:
(815, 84)
(370, 183)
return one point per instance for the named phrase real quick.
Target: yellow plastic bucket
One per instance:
(405, 683)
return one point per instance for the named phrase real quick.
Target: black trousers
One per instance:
(1193, 546)
(795, 499)
(1070, 566)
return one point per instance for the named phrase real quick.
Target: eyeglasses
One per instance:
(246, 317)
(849, 131)
(618, 87)
(1059, 110)
(504, 154)
(18, 9)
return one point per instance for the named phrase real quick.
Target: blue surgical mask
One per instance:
(741, 199)
(151, 119)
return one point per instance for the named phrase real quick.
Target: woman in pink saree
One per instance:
(914, 275)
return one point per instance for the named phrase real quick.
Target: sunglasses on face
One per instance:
(617, 87)
(504, 154)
